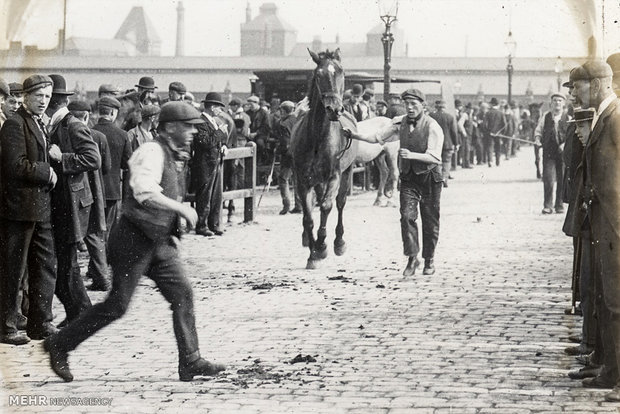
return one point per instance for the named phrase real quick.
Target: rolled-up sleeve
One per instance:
(146, 167)
(435, 140)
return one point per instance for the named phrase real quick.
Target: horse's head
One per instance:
(328, 82)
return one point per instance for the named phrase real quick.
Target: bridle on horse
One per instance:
(349, 141)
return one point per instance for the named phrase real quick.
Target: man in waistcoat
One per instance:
(448, 125)
(26, 240)
(421, 143)
(145, 241)
(550, 134)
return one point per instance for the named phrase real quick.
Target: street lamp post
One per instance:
(511, 46)
(559, 68)
(388, 16)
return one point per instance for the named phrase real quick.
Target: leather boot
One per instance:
(429, 267)
(412, 265)
(200, 367)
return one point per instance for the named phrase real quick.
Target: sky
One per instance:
(472, 28)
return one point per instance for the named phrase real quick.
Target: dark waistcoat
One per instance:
(155, 223)
(415, 141)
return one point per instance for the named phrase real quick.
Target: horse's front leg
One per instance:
(307, 237)
(340, 246)
(381, 164)
(319, 252)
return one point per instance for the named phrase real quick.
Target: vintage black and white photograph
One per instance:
(327, 206)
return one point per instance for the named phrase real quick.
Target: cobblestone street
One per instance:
(485, 334)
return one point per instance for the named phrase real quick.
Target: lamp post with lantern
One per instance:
(511, 46)
(388, 10)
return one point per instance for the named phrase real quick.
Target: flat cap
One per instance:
(254, 99)
(583, 115)
(369, 92)
(234, 101)
(614, 62)
(110, 102)
(287, 104)
(558, 95)
(357, 89)
(37, 81)
(150, 110)
(16, 88)
(413, 94)
(440, 103)
(381, 102)
(592, 69)
(177, 111)
(177, 86)
(109, 88)
(5, 89)
(79, 105)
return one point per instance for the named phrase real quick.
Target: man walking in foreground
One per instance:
(145, 241)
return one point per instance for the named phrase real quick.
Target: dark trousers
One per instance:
(423, 191)
(98, 263)
(586, 294)
(446, 161)
(27, 245)
(285, 178)
(209, 200)
(477, 145)
(465, 152)
(487, 146)
(69, 285)
(497, 147)
(132, 255)
(552, 174)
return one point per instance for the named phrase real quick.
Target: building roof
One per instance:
(47, 59)
(267, 17)
(138, 22)
(346, 49)
(85, 46)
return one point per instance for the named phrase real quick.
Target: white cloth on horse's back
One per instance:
(367, 151)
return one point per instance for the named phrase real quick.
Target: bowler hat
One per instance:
(583, 115)
(79, 105)
(234, 101)
(357, 89)
(178, 87)
(177, 111)
(457, 103)
(146, 82)
(493, 101)
(413, 94)
(110, 102)
(60, 85)
(109, 88)
(149, 110)
(16, 88)
(37, 81)
(592, 69)
(558, 95)
(5, 89)
(213, 98)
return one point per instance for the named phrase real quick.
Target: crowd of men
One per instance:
(110, 178)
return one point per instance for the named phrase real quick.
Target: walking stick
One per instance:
(576, 275)
(513, 138)
(269, 178)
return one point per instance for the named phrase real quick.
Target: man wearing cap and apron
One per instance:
(421, 142)
(145, 242)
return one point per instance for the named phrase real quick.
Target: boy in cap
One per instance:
(421, 142)
(282, 130)
(176, 91)
(26, 239)
(145, 241)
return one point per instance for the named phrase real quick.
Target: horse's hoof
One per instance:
(311, 265)
(319, 253)
(377, 202)
(390, 203)
(380, 202)
(340, 248)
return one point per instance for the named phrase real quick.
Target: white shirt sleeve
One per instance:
(435, 140)
(146, 167)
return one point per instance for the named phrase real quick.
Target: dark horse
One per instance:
(322, 155)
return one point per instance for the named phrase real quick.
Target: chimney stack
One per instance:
(248, 13)
(180, 47)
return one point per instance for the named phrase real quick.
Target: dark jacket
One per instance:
(205, 153)
(495, 122)
(551, 140)
(282, 132)
(97, 221)
(448, 126)
(72, 196)
(259, 123)
(120, 152)
(25, 170)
